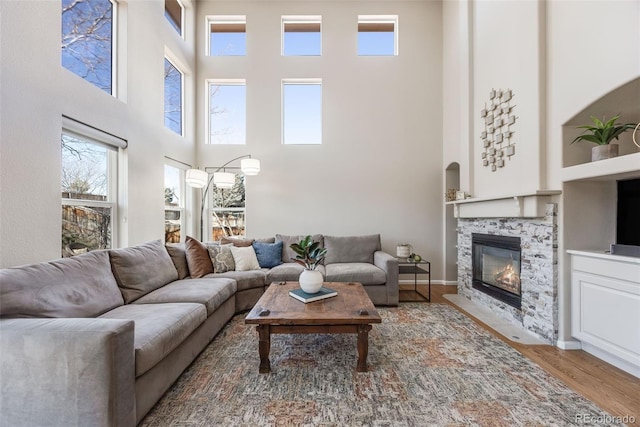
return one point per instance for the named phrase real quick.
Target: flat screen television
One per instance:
(628, 216)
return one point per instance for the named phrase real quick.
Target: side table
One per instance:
(405, 266)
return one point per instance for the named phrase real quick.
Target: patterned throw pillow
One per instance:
(221, 258)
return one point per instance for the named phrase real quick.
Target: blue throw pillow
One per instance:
(269, 254)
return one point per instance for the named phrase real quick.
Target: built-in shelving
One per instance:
(622, 167)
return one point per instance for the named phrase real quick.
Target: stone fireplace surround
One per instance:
(539, 272)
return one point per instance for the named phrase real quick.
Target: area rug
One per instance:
(429, 365)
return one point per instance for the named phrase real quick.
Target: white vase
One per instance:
(311, 281)
(602, 152)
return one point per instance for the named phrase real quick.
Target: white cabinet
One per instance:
(605, 307)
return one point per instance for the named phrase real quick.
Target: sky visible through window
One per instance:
(376, 43)
(173, 188)
(302, 113)
(172, 97)
(87, 32)
(227, 113)
(228, 44)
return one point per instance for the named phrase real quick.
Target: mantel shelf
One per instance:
(522, 205)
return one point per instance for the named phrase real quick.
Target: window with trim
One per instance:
(301, 35)
(302, 111)
(227, 208)
(377, 35)
(227, 35)
(173, 100)
(174, 204)
(174, 12)
(227, 111)
(87, 40)
(89, 188)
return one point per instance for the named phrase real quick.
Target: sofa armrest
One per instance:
(389, 264)
(67, 372)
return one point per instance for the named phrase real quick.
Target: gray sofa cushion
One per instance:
(159, 328)
(288, 272)
(287, 252)
(250, 279)
(351, 248)
(210, 292)
(362, 272)
(81, 286)
(179, 257)
(141, 269)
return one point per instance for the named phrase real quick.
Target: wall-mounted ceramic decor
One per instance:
(497, 135)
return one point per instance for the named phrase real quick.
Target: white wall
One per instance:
(379, 167)
(35, 91)
(558, 57)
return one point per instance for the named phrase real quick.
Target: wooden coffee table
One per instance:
(350, 312)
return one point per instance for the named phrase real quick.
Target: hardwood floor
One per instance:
(614, 390)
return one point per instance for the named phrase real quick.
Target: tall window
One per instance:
(301, 35)
(174, 204)
(174, 12)
(173, 79)
(227, 35)
(228, 209)
(302, 111)
(377, 35)
(89, 193)
(87, 40)
(227, 112)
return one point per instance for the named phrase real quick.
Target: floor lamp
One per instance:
(197, 178)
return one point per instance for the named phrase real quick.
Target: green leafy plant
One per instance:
(308, 253)
(604, 131)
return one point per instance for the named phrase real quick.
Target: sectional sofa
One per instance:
(97, 339)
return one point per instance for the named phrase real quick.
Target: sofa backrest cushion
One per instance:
(80, 286)
(198, 258)
(141, 269)
(351, 248)
(287, 252)
(179, 257)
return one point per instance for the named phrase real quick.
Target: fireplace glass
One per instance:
(496, 267)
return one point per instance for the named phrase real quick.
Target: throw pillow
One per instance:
(178, 256)
(269, 254)
(245, 258)
(197, 258)
(236, 241)
(222, 258)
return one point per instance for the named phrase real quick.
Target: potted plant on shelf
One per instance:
(602, 134)
(309, 254)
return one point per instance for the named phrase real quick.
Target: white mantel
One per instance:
(522, 205)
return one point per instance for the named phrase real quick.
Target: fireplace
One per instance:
(496, 267)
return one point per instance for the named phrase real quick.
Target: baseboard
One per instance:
(426, 282)
(569, 345)
(612, 359)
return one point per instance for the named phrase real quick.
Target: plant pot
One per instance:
(311, 281)
(601, 152)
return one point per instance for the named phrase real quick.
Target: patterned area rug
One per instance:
(429, 365)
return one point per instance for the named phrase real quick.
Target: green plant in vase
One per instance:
(309, 254)
(602, 133)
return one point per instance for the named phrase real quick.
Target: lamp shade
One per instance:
(196, 178)
(250, 166)
(224, 180)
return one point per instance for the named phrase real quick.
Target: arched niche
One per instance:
(624, 101)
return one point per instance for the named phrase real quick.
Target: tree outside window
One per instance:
(228, 209)
(172, 97)
(88, 195)
(87, 40)
(174, 204)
